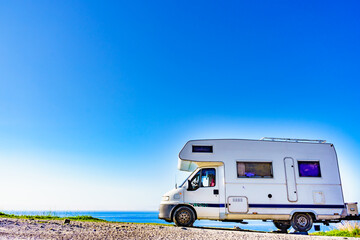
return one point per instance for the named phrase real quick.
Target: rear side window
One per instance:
(254, 170)
(309, 168)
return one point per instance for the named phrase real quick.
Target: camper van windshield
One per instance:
(187, 179)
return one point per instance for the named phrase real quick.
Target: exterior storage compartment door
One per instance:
(290, 179)
(238, 204)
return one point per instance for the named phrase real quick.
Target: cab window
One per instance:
(194, 183)
(203, 178)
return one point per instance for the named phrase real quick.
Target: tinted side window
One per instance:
(254, 170)
(202, 149)
(309, 168)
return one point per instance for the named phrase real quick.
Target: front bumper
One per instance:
(165, 211)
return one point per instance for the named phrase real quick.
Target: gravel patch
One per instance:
(53, 229)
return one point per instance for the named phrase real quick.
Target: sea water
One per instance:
(152, 217)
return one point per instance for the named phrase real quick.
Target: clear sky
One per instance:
(98, 97)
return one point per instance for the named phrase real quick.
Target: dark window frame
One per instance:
(310, 161)
(202, 175)
(257, 177)
(195, 148)
(200, 170)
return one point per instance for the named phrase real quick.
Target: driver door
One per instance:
(203, 193)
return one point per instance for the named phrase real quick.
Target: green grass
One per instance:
(51, 216)
(339, 233)
(345, 229)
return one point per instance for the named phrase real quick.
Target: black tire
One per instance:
(184, 216)
(302, 222)
(282, 225)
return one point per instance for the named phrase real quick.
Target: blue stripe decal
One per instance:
(216, 205)
(294, 206)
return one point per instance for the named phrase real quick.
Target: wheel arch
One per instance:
(183, 205)
(312, 213)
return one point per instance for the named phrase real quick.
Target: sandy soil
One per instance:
(46, 229)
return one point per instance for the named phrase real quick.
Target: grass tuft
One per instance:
(344, 229)
(51, 216)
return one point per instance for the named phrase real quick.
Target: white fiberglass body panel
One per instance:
(286, 189)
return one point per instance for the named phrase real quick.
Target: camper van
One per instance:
(292, 182)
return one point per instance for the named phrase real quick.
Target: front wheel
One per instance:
(184, 216)
(302, 222)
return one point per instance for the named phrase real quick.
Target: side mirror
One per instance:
(189, 187)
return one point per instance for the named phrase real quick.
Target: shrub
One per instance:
(343, 229)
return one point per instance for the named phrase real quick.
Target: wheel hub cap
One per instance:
(302, 221)
(184, 217)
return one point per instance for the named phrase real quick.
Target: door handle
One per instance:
(216, 191)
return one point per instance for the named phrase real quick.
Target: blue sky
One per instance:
(97, 98)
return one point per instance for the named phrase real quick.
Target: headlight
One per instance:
(165, 198)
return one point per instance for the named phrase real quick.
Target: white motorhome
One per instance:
(293, 182)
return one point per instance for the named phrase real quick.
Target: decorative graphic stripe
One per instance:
(294, 206)
(216, 205)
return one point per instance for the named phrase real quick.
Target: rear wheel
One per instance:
(302, 222)
(282, 225)
(184, 216)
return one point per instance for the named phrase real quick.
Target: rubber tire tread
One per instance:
(300, 228)
(192, 216)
